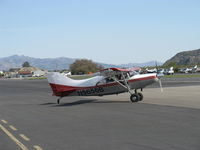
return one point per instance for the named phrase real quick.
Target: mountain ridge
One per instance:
(189, 57)
(59, 63)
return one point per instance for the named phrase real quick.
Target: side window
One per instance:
(132, 73)
(108, 80)
(119, 77)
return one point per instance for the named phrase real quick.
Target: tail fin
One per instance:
(60, 79)
(60, 83)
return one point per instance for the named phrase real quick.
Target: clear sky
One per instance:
(109, 31)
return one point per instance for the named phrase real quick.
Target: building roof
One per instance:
(24, 72)
(29, 69)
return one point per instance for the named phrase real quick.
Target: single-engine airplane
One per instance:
(105, 82)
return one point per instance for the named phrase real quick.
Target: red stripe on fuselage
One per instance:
(64, 90)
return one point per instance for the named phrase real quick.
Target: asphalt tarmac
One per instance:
(31, 119)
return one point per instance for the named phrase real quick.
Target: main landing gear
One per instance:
(136, 97)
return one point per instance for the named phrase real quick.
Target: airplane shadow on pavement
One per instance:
(81, 102)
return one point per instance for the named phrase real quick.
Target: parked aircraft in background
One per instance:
(169, 71)
(189, 70)
(105, 82)
(67, 73)
(198, 69)
(154, 70)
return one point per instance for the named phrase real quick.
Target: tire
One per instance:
(140, 96)
(134, 98)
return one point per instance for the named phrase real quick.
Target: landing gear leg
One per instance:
(58, 100)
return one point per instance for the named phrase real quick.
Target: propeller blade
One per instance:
(160, 83)
(156, 67)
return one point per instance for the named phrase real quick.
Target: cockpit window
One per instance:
(132, 73)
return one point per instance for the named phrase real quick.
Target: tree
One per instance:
(172, 64)
(26, 64)
(84, 66)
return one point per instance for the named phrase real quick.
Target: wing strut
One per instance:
(126, 86)
(126, 83)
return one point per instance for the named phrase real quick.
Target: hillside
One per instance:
(54, 63)
(45, 63)
(191, 57)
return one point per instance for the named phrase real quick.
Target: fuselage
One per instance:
(96, 86)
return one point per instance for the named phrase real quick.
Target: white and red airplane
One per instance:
(105, 82)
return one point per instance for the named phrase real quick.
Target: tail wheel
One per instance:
(140, 96)
(134, 98)
(58, 101)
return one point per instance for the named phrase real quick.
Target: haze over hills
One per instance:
(191, 57)
(55, 63)
(45, 63)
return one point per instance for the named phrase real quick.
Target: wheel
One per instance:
(134, 98)
(140, 96)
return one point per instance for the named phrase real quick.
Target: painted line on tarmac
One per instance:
(13, 128)
(24, 137)
(4, 121)
(37, 147)
(12, 137)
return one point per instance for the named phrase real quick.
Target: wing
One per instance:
(121, 69)
(117, 71)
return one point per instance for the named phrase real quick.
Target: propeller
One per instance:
(159, 77)
(160, 83)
